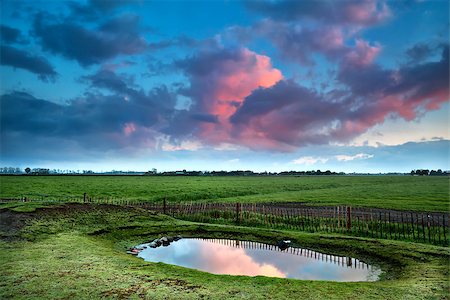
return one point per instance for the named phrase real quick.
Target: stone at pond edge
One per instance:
(165, 241)
(283, 245)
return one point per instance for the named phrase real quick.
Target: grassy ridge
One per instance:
(79, 253)
(394, 192)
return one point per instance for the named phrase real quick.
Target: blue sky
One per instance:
(264, 85)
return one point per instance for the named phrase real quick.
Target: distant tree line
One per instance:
(153, 172)
(10, 170)
(241, 173)
(426, 172)
(42, 171)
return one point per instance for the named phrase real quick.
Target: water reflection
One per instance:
(233, 257)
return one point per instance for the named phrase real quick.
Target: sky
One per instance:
(347, 86)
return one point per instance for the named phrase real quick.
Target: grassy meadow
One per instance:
(392, 192)
(78, 252)
(55, 250)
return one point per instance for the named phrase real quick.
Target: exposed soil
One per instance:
(11, 222)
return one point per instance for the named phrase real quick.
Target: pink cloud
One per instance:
(363, 54)
(236, 79)
(220, 81)
(243, 100)
(331, 38)
(129, 128)
(288, 115)
(367, 12)
(221, 259)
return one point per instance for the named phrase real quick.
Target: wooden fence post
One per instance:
(390, 227)
(444, 229)
(429, 228)
(237, 212)
(164, 205)
(339, 218)
(438, 229)
(403, 226)
(84, 198)
(423, 229)
(380, 224)
(349, 218)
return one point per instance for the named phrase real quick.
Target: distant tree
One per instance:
(436, 173)
(27, 170)
(422, 172)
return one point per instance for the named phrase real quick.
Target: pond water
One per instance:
(220, 256)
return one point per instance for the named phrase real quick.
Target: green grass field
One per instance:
(78, 252)
(393, 192)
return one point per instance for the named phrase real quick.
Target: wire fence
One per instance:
(424, 227)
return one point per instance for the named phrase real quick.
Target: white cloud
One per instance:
(185, 145)
(233, 161)
(309, 160)
(357, 156)
(227, 147)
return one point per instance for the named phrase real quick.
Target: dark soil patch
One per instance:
(11, 222)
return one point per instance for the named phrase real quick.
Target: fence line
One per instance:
(431, 227)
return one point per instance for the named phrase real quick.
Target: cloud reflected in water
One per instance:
(225, 257)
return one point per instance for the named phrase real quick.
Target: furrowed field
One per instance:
(391, 192)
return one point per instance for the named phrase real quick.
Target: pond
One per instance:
(233, 257)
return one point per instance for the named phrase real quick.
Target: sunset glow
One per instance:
(284, 79)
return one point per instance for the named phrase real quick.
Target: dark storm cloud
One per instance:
(109, 80)
(117, 36)
(290, 114)
(134, 104)
(261, 101)
(418, 80)
(160, 99)
(8, 34)
(95, 121)
(419, 52)
(16, 58)
(22, 112)
(424, 80)
(205, 118)
(367, 80)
